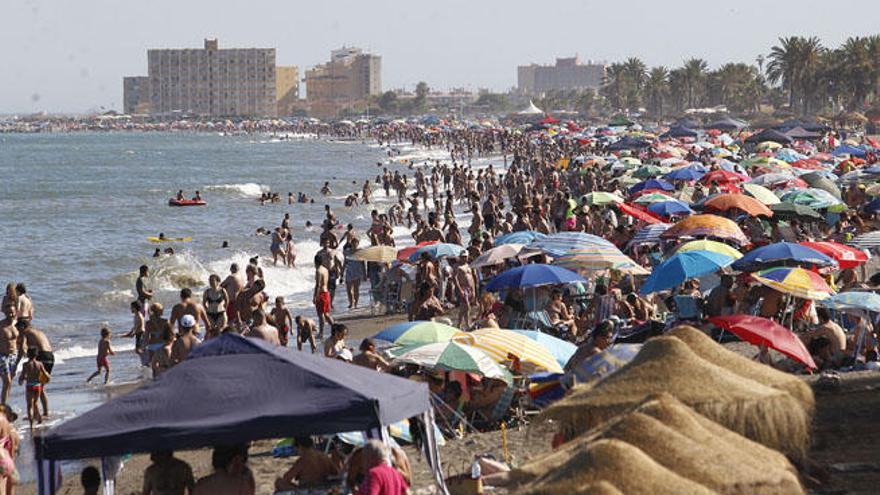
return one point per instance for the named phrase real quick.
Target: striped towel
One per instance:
(870, 240)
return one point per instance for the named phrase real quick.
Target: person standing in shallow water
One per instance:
(8, 349)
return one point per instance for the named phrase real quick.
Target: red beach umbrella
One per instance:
(845, 256)
(761, 331)
(645, 216)
(404, 254)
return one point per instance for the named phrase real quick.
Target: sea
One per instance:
(76, 210)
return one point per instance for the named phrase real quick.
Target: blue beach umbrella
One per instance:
(652, 184)
(562, 350)
(533, 275)
(683, 266)
(522, 237)
(781, 253)
(668, 208)
(868, 301)
(689, 173)
(438, 250)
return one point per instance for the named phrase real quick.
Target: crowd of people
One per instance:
(539, 182)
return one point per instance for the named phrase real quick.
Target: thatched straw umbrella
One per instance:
(691, 446)
(619, 464)
(666, 364)
(708, 349)
(600, 488)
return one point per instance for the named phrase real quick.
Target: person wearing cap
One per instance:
(186, 339)
(187, 306)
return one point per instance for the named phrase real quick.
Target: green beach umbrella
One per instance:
(452, 356)
(600, 198)
(649, 171)
(762, 194)
(418, 333)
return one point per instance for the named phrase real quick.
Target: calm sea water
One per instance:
(76, 209)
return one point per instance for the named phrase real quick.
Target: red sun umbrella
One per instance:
(761, 331)
(405, 253)
(549, 120)
(722, 177)
(642, 215)
(845, 256)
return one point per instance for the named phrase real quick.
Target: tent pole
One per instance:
(432, 451)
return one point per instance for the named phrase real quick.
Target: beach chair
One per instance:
(688, 308)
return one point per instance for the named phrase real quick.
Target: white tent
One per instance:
(531, 110)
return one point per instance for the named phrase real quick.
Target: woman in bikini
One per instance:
(215, 299)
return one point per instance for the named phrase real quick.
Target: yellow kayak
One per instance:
(169, 239)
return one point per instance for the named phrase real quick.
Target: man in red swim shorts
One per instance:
(321, 297)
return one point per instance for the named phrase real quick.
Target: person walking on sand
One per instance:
(321, 296)
(233, 283)
(305, 331)
(138, 328)
(30, 337)
(8, 349)
(33, 375)
(104, 353)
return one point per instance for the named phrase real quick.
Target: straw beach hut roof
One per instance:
(708, 349)
(626, 468)
(690, 445)
(666, 364)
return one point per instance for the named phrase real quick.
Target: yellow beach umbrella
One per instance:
(503, 345)
(708, 245)
(761, 193)
(380, 254)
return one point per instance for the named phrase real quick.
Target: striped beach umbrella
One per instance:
(596, 257)
(795, 281)
(497, 255)
(560, 243)
(562, 350)
(418, 332)
(650, 234)
(709, 245)
(522, 237)
(381, 254)
(707, 226)
(452, 356)
(507, 346)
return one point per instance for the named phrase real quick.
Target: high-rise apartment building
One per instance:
(136, 95)
(568, 73)
(286, 89)
(346, 81)
(209, 81)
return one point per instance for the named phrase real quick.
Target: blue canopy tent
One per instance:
(679, 132)
(628, 143)
(233, 390)
(769, 135)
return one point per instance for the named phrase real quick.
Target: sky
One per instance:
(70, 56)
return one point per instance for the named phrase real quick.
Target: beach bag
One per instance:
(44, 377)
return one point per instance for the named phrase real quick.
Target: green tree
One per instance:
(694, 80)
(657, 90)
(421, 98)
(795, 63)
(388, 101)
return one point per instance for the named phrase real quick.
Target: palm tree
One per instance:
(694, 80)
(635, 72)
(677, 89)
(612, 85)
(735, 85)
(857, 70)
(656, 90)
(795, 63)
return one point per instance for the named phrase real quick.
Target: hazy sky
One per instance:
(71, 55)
